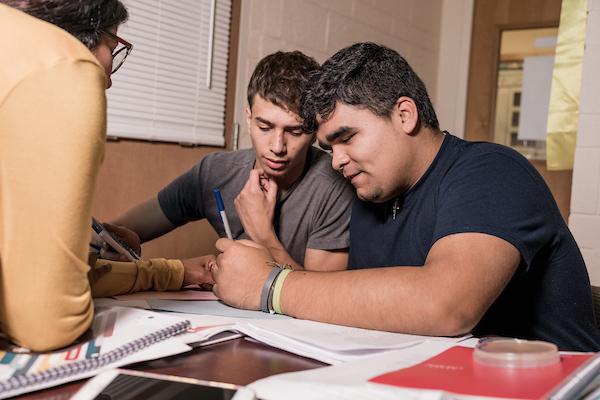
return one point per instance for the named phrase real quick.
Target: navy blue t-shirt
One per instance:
(492, 189)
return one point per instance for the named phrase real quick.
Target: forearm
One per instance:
(128, 277)
(314, 259)
(462, 277)
(146, 219)
(279, 253)
(395, 299)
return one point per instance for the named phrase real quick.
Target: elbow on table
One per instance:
(46, 331)
(451, 320)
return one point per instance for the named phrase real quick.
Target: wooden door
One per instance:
(490, 18)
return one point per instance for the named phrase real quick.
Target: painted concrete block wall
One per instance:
(321, 27)
(585, 195)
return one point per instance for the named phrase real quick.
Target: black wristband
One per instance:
(264, 295)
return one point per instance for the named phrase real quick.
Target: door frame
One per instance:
(490, 18)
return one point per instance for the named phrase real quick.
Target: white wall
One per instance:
(319, 28)
(585, 194)
(453, 67)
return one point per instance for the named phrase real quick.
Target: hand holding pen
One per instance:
(107, 240)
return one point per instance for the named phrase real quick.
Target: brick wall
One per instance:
(585, 195)
(321, 27)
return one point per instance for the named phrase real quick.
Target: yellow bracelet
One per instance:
(277, 291)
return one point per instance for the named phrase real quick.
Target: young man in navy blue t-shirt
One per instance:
(447, 236)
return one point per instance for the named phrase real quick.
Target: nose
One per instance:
(339, 160)
(278, 143)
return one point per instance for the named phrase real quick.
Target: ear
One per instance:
(248, 116)
(405, 115)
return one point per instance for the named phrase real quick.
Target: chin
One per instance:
(371, 196)
(275, 172)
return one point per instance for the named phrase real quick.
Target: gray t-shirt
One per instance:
(314, 213)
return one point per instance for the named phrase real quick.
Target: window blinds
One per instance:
(172, 86)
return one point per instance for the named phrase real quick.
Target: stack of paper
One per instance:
(331, 344)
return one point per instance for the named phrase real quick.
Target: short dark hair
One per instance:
(368, 76)
(84, 19)
(280, 78)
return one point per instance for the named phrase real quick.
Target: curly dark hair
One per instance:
(280, 78)
(84, 19)
(365, 75)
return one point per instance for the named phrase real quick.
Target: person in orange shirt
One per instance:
(52, 132)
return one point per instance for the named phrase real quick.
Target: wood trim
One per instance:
(234, 36)
(490, 18)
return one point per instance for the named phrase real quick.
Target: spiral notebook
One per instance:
(120, 336)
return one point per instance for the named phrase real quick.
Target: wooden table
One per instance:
(238, 361)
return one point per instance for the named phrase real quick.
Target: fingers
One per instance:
(254, 177)
(92, 258)
(257, 181)
(102, 270)
(215, 271)
(271, 191)
(206, 260)
(223, 244)
(111, 255)
(264, 181)
(250, 243)
(210, 259)
(252, 184)
(97, 272)
(113, 228)
(125, 234)
(212, 265)
(209, 279)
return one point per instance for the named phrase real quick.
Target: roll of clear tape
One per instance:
(516, 353)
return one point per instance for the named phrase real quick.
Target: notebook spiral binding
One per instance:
(90, 364)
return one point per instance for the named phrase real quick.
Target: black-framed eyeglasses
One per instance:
(120, 53)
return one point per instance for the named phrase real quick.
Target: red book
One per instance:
(455, 371)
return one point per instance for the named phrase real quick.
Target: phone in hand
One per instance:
(114, 241)
(120, 384)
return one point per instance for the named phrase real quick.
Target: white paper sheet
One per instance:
(181, 295)
(332, 344)
(210, 308)
(349, 380)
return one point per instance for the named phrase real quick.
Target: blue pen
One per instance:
(221, 210)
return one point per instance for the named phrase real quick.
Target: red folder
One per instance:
(455, 371)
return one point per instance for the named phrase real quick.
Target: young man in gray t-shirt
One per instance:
(282, 194)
